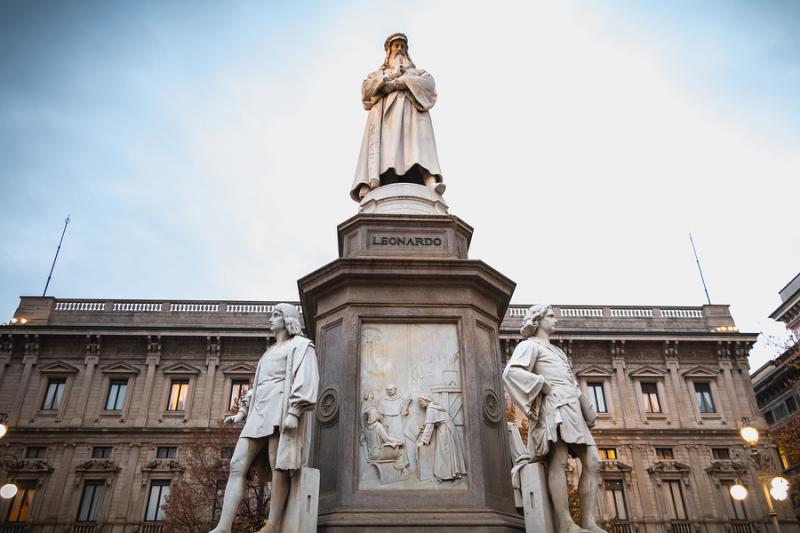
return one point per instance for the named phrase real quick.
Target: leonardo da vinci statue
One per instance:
(398, 143)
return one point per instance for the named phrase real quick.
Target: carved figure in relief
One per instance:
(392, 409)
(439, 432)
(382, 448)
(398, 143)
(276, 407)
(539, 380)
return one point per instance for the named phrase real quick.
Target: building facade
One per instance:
(100, 396)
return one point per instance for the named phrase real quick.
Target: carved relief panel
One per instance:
(411, 415)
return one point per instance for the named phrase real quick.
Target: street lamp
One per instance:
(738, 491)
(779, 486)
(7, 491)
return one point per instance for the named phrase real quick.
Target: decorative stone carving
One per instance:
(328, 406)
(540, 381)
(491, 407)
(412, 405)
(398, 143)
(277, 410)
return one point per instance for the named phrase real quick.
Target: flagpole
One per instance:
(66, 223)
(699, 268)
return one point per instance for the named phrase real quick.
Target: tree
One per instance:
(195, 502)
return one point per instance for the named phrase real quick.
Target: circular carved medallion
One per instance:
(328, 406)
(491, 407)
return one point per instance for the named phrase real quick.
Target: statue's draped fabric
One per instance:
(554, 415)
(286, 381)
(399, 132)
(448, 459)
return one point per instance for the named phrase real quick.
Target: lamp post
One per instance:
(779, 486)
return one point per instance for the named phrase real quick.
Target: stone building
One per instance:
(100, 396)
(777, 383)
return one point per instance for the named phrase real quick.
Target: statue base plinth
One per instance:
(302, 503)
(403, 305)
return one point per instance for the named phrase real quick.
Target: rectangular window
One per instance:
(780, 412)
(650, 397)
(20, 508)
(35, 452)
(616, 506)
(721, 454)
(90, 501)
(238, 389)
(791, 404)
(769, 417)
(166, 452)
(676, 509)
(54, 394)
(101, 452)
(116, 394)
(178, 394)
(597, 397)
(702, 392)
(607, 454)
(734, 508)
(665, 454)
(783, 459)
(159, 492)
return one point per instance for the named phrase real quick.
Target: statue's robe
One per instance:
(399, 132)
(439, 430)
(555, 415)
(286, 381)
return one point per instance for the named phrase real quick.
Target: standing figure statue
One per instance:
(440, 431)
(398, 143)
(284, 392)
(540, 381)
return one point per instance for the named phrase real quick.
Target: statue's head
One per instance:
(372, 415)
(391, 389)
(538, 316)
(396, 46)
(424, 400)
(285, 316)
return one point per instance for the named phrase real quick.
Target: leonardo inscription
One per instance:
(406, 241)
(412, 420)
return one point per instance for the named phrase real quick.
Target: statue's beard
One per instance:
(400, 61)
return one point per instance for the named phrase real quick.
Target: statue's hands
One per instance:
(389, 87)
(291, 421)
(238, 417)
(400, 84)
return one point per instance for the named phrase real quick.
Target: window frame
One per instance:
(159, 511)
(60, 399)
(39, 452)
(25, 488)
(591, 389)
(181, 382)
(167, 453)
(110, 450)
(96, 503)
(117, 381)
(604, 450)
(234, 383)
(661, 449)
(618, 488)
(704, 399)
(647, 398)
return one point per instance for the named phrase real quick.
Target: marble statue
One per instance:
(275, 410)
(440, 432)
(539, 380)
(398, 143)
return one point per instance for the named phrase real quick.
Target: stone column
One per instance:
(152, 361)
(212, 362)
(29, 360)
(92, 357)
(623, 391)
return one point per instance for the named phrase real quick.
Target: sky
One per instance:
(205, 150)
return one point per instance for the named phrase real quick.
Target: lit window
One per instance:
(35, 452)
(597, 397)
(166, 452)
(607, 454)
(674, 499)
(90, 501)
(238, 389)
(159, 492)
(702, 392)
(101, 452)
(783, 458)
(721, 454)
(665, 454)
(178, 394)
(116, 394)
(616, 506)
(20, 508)
(650, 398)
(54, 394)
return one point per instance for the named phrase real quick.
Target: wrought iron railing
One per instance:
(681, 526)
(619, 526)
(741, 526)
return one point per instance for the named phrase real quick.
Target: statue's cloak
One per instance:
(399, 132)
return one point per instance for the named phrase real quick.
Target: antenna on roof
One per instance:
(699, 268)
(66, 223)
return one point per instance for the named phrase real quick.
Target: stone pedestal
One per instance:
(404, 306)
(302, 504)
(535, 499)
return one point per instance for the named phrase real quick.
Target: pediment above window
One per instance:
(648, 371)
(58, 367)
(699, 372)
(727, 467)
(594, 371)
(181, 368)
(119, 368)
(663, 467)
(239, 368)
